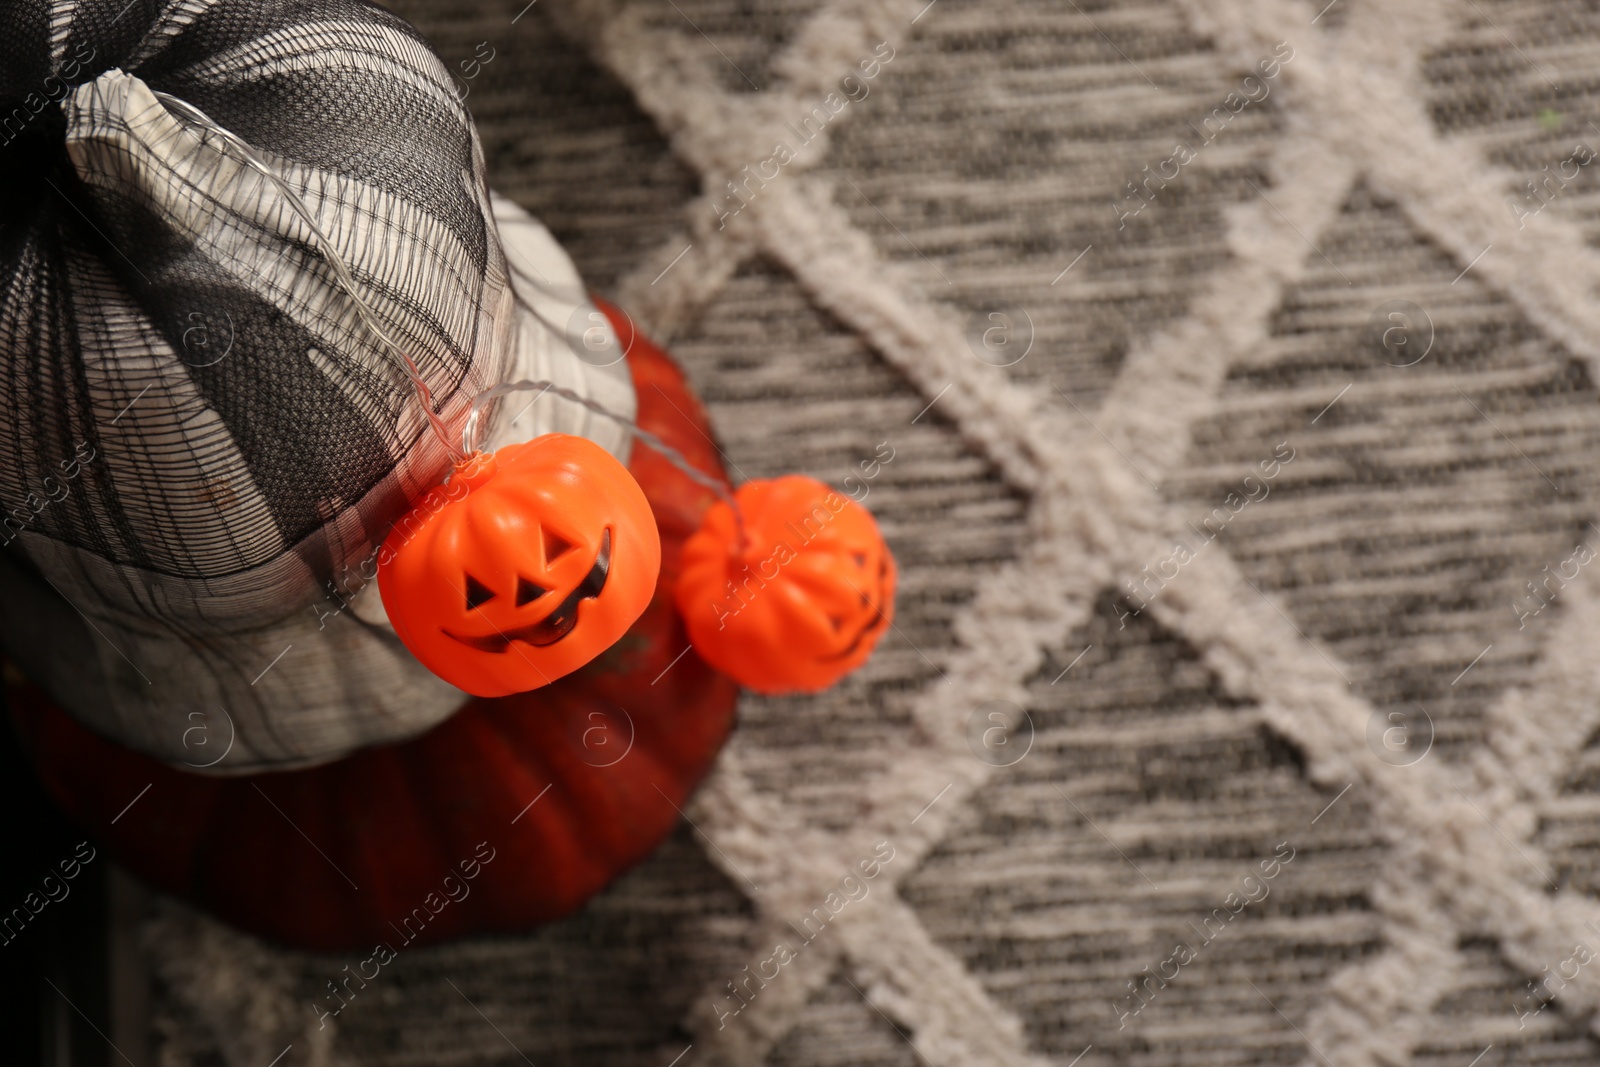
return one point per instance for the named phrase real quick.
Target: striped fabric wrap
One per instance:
(201, 442)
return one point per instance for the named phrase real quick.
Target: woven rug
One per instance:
(1222, 373)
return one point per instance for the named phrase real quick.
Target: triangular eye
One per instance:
(860, 558)
(555, 546)
(528, 592)
(477, 593)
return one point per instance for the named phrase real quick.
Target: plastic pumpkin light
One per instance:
(805, 598)
(529, 564)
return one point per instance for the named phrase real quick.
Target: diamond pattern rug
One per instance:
(1241, 706)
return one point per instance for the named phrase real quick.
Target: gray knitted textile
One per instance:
(1240, 390)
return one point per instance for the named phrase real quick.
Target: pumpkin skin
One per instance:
(804, 603)
(538, 558)
(396, 819)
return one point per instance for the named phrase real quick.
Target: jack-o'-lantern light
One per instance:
(541, 558)
(801, 599)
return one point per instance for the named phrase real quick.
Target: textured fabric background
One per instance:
(1190, 714)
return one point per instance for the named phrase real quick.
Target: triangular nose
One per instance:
(555, 546)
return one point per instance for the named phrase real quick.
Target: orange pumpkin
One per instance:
(527, 565)
(803, 602)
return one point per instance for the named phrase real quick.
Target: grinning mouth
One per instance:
(867, 631)
(556, 625)
(873, 627)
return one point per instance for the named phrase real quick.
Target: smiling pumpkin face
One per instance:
(542, 557)
(555, 624)
(806, 600)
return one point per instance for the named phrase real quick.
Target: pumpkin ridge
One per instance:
(553, 818)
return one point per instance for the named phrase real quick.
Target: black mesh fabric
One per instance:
(107, 293)
(201, 443)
